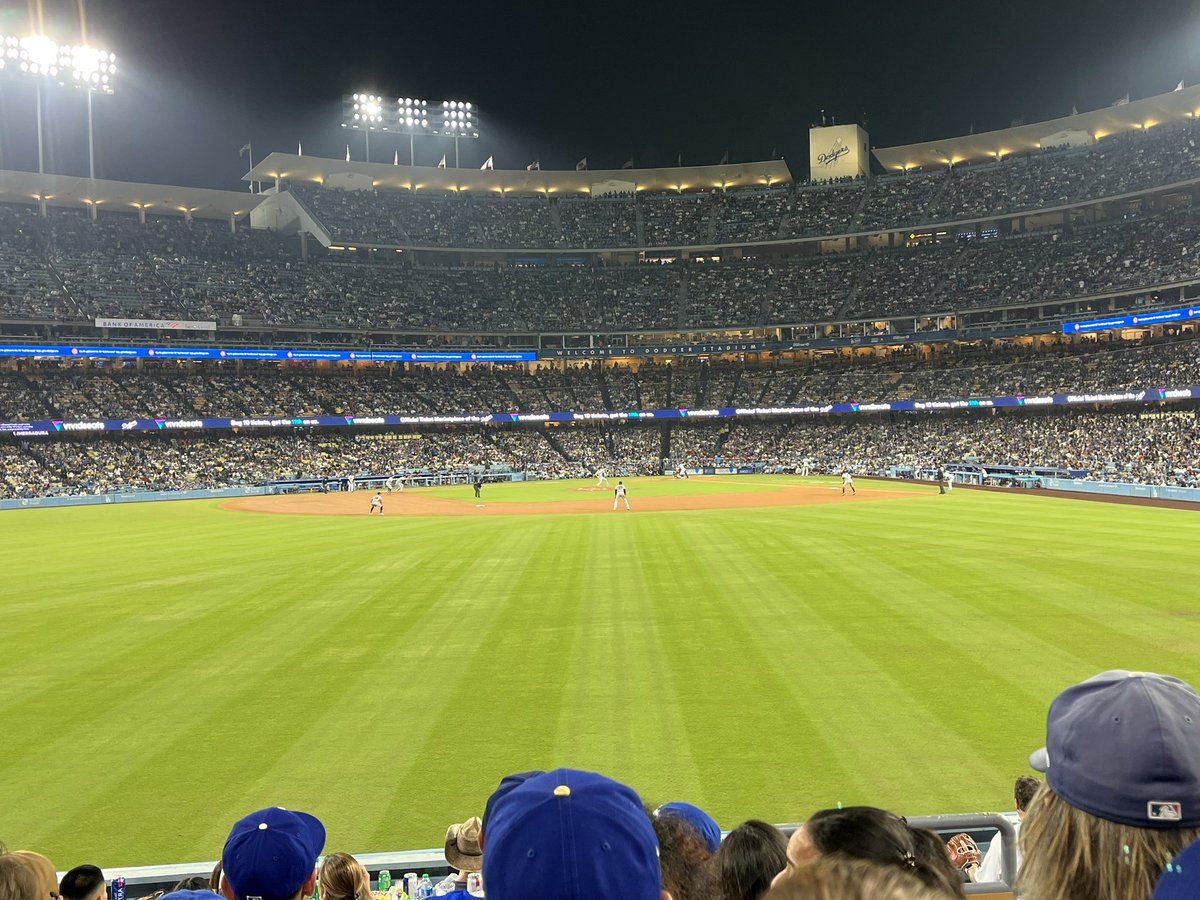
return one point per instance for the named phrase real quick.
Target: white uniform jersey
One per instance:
(847, 478)
(620, 490)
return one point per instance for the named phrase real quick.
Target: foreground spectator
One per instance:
(703, 824)
(464, 853)
(1122, 794)
(570, 835)
(850, 879)
(749, 858)
(868, 833)
(272, 855)
(935, 853)
(684, 856)
(1023, 792)
(18, 880)
(1181, 880)
(42, 869)
(342, 877)
(83, 883)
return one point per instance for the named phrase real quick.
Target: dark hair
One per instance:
(934, 856)
(1024, 790)
(81, 882)
(195, 883)
(876, 835)
(749, 858)
(214, 880)
(687, 868)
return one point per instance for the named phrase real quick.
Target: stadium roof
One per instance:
(1127, 116)
(124, 196)
(317, 170)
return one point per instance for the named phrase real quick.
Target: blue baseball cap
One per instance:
(1125, 746)
(570, 835)
(271, 853)
(189, 895)
(1181, 880)
(702, 822)
(507, 783)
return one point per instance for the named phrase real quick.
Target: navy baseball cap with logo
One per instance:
(570, 835)
(1125, 746)
(271, 853)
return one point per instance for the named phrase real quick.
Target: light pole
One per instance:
(88, 68)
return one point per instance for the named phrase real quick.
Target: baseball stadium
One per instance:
(787, 491)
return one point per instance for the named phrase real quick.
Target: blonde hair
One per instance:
(18, 880)
(42, 869)
(342, 877)
(843, 878)
(1073, 855)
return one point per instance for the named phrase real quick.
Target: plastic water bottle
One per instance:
(385, 881)
(424, 888)
(445, 886)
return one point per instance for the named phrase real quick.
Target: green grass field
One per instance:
(168, 667)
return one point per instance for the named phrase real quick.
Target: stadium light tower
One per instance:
(460, 119)
(411, 116)
(41, 59)
(368, 112)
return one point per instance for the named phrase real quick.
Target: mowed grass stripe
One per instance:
(180, 664)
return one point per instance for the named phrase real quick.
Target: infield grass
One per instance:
(168, 667)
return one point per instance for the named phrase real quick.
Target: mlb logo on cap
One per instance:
(1164, 812)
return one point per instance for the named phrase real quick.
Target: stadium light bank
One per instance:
(413, 116)
(74, 65)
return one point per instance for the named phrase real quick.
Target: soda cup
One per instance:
(118, 889)
(474, 884)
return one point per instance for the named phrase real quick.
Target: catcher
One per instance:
(964, 854)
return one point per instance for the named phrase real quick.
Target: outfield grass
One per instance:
(168, 667)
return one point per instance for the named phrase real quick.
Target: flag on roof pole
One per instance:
(396, 159)
(628, 163)
(347, 153)
(724, 159)
(1074, 110)
(535, 166)
(442, 164)
(487, 164)
(581, 166)
(1179, 87)
(1123, 101)
(246, 148)
(299, 149)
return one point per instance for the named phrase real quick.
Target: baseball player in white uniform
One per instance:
(376, 504)
(848, 482)
(350, 484)
(390, 483)
(949, 481)
(620, 494)
(601, 477)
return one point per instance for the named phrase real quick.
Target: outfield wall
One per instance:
(134, 497)
(1121, 489)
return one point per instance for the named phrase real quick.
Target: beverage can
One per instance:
(385, 880)
(118, 889)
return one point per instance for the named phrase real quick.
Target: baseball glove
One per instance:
(964, 852)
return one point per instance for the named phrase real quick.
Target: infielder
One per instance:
(376, 504)
(620, 494)
(601, 478)
(390, 483)
(848, 482)
(350, 484)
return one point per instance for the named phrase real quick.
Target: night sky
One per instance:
(561, 81)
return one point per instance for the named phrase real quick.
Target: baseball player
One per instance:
(601, 478)
(848, 482)
(350, 484)
(376, 504)
(620, 494)
(390, 484)
(949, 481)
